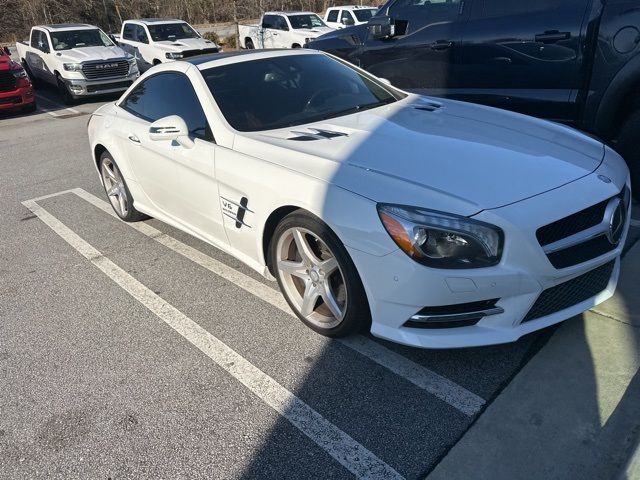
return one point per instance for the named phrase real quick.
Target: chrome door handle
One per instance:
(134, 139)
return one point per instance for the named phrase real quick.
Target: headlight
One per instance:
(173, 55)
(442, 240)
(73, 67)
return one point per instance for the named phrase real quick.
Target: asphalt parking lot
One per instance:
(131, 350)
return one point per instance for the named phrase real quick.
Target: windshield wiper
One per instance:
(357, 108)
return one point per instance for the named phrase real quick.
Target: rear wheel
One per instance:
(117, 190)
(296, 45)
(248, 44)
(317, 276)
(627, 146)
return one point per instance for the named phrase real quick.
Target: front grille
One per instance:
(568, 294)
(98, 70)
(7, 82)
(565, 227)
(193, 53)
(10, 100)
(581, 252)
(109, 86)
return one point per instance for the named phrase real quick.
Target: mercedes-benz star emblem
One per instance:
(616, 220)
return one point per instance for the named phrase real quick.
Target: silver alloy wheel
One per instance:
(114, 186)
(311, 277)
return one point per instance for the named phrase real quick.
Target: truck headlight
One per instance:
(442, 240)
(133, 65)
(73, 67)
(173, 55)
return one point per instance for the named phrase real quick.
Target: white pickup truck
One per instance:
(347, 15)
(157, 40)
(81, 60)
(282, 30)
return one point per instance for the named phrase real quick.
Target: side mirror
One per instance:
(381, 27)
(45, 48)
(113, 38)
(347, 22)
(171, 128)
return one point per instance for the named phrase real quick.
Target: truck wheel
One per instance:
(296, 45)
(627, 146)
(248, 44)
(65, 93)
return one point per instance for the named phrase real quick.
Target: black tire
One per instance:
(248, 44)
(357, 316)
(131, 215)
(66, 95)
(627, 146)
(296, 45)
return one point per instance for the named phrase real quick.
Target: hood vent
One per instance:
(428, 107)
(316, 134)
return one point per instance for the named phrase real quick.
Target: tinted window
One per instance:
(306, 21)
(139, 35)
(333, 16)
(429, 11)
(291, 90)
(280, 23)
(127, 33)
(346, 15)
(268, 21)
(364, 14)
(503, 8)
(168, 94)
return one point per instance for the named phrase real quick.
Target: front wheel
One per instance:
(317, 276)
(66, 95)
(627, 146)
(248, 44)
(117, 190)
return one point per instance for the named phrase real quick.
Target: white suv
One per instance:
(340, 17)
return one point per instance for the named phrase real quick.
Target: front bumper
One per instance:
(80, 87)
(398, 287)
(19, 98)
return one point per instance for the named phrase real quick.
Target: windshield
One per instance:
(171, 31)
(364, 14)
(306, 21)
(67, 40)
(291, 90)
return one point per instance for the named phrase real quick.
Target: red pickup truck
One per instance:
(16, 91)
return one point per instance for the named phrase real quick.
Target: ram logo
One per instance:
(102, 66)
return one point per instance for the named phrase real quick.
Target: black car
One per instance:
(572, 61)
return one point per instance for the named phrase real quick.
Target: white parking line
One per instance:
(455, 395)
(347, 451)
(57, 110)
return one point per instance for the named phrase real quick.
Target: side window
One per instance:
(346, 15)
(167, 94)
(127, 32)
(333, 16)
(280, 23)
(504, 8)
(427, 12)
(268, 21)
(35, 38)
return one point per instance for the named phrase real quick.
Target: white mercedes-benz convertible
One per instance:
(432, 223)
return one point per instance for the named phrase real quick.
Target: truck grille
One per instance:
(193, 53)
(7, 81)
(99, 70)
(568, 294)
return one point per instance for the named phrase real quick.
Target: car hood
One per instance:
(437, 154)
(91, 53)
(185, 44)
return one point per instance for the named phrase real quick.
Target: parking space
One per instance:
(131, 350)
(135, 349)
